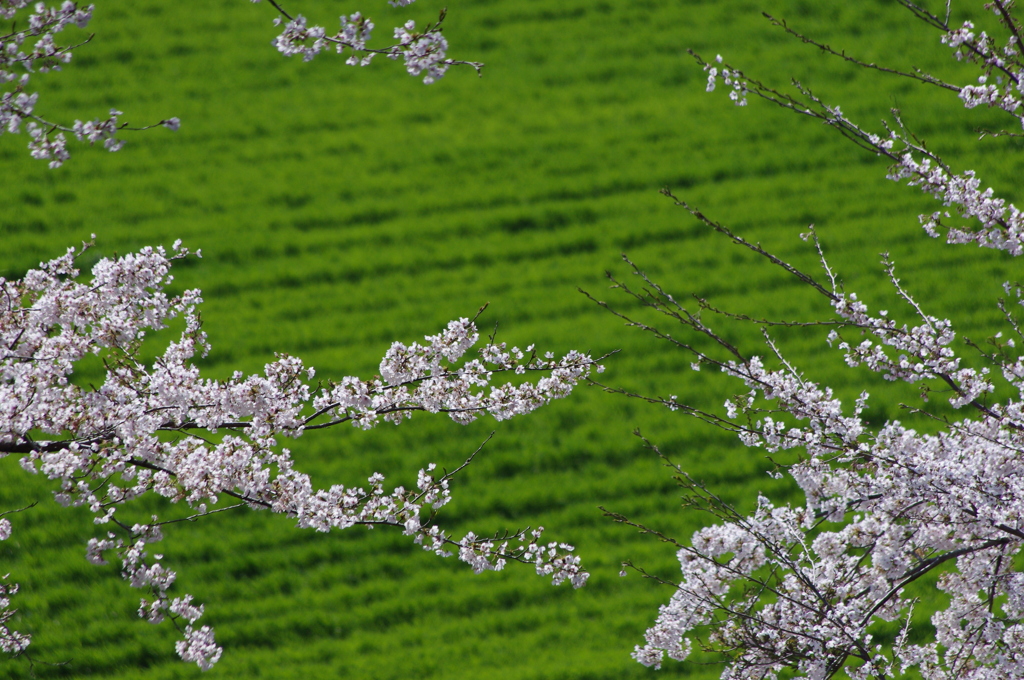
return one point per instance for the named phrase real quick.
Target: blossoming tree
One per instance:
(817, 590)
(160, 427)
(29, 45)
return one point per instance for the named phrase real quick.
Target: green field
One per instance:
(341, 209)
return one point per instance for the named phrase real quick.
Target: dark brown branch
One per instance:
(916, 75)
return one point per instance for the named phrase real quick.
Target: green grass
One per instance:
(340, 209)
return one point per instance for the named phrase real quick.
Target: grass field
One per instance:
(340, 209)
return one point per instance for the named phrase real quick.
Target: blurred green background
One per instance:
(340, 209)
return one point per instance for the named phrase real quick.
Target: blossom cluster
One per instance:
(999, 225)
(1000, 64)
(732, 79)
(162, 428)
(300, 38)
(11, 641)
(553, 559)
(808, 591)
(423, 52)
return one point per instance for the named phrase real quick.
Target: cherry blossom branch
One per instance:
(47, 140)
(423, 52)
(1001, 224)
(755, 247)
(115, 445)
